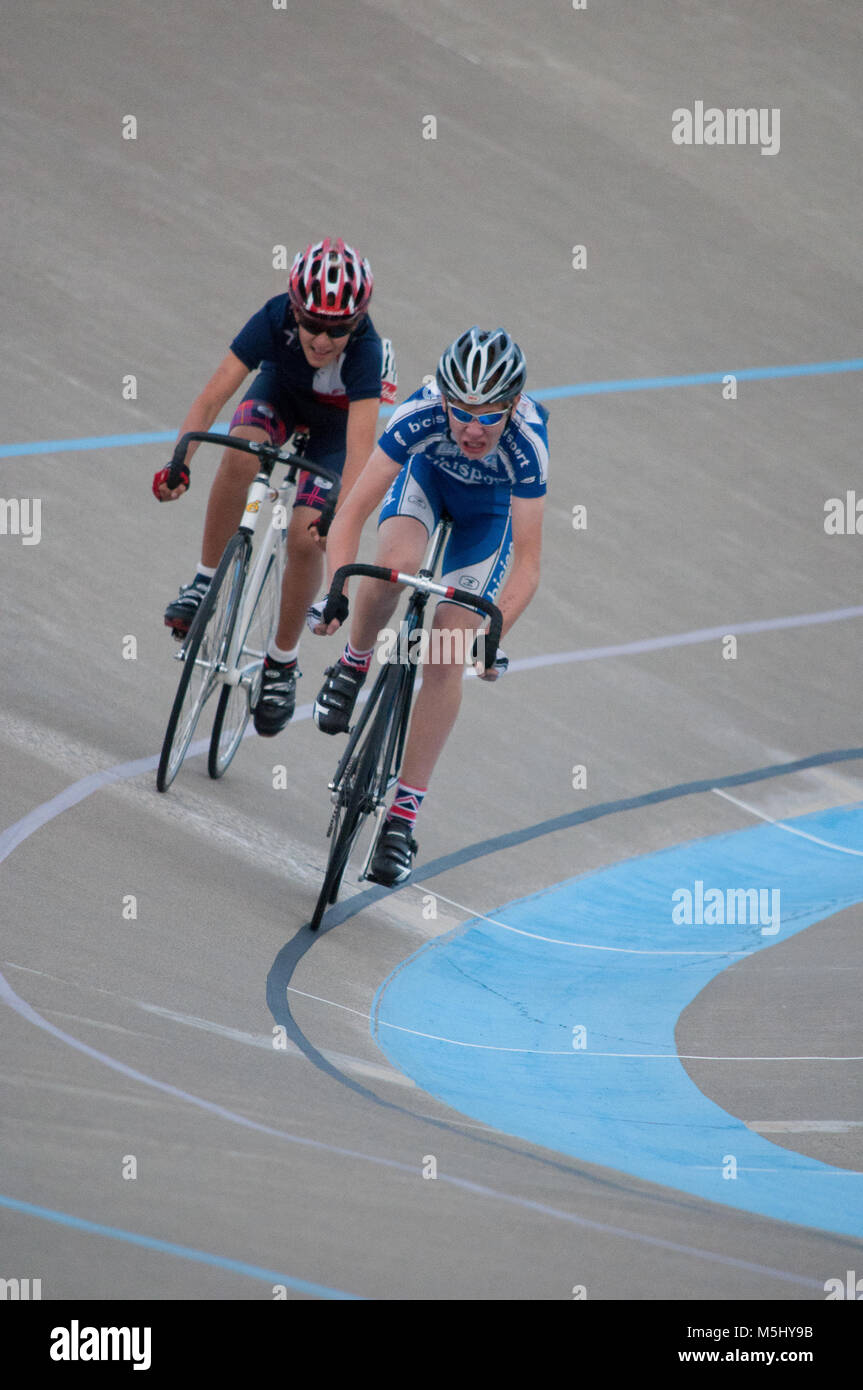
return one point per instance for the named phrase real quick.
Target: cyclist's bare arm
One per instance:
(367, 493)
(362, 428)
(523, 579)
(226, 379)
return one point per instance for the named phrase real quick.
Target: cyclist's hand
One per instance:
(316, 620)
(320, 527)
(162, 492)
(501, 664)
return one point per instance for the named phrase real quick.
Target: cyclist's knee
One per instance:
(378, 597)
(301, 541)
(237, 462)
(402, 543)
(451, 640)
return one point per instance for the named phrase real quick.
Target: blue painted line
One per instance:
(98, 441)
(551, 393)
(658, 383)
(184, 1252)
(625, 1101)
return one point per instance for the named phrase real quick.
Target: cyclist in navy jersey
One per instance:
(475, 445)
(321, 365)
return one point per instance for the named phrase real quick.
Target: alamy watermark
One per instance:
(20, 1289)
(21, 516)
(843, 516)
(850, 1287)
(441, 645)
(714, 907)
(734, 125)
(77, 1343)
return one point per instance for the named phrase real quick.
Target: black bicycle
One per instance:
(371, 762)
(229, 635)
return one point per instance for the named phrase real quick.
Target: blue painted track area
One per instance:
(554, 1020)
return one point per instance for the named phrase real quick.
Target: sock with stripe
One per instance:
(406, 803)
(361, 661)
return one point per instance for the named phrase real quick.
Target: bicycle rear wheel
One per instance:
(236, 702)
(203, 654)
(364, 781)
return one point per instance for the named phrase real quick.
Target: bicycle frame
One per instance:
(247, 579)
(260, 492)
(402, 698)
(412, 619)
(372, 758)
(230, 669)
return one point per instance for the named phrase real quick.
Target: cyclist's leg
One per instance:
(261, 415)
(410, 513)
(304, 565)
(304, 568)
(255, 418)
(476, 558)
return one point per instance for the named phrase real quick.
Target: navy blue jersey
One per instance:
(518, 463)
(364, 371)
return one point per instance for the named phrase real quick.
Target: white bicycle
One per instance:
(228, 638)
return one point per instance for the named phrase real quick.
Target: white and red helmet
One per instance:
(330, 280)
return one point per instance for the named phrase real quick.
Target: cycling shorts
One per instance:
(279, 410)
(480, 542)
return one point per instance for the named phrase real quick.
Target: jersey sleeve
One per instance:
(401, 432)
(362, 372)
(257, 341)
(532, 451)
(389, 374)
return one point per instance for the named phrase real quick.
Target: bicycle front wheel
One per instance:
(203, 656)
(363, 783)
(237, 701)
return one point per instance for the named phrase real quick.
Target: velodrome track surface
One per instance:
(152, 1037)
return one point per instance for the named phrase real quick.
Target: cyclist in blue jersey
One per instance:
(321, 365)
(475, 445)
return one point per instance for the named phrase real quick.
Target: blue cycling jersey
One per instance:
(364, 371)
(518, 464)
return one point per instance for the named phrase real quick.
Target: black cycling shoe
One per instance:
(277, 698)
(180, 613)
(393, 857)
(337, 697)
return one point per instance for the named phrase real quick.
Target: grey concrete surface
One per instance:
(258, 127)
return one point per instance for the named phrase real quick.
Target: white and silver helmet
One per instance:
(481, 367)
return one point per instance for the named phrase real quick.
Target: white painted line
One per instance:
(15, 834)
(25, 1010)
(781, 825)
(684, 639)
(564, 1052)
(291, 989)
(579, 945)
(379, 1071)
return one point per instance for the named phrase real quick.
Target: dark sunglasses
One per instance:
(464, 417)
(342, 330)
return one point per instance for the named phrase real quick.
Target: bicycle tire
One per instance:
(204, 648)
(360, 796)
(236, 702)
